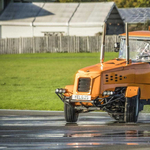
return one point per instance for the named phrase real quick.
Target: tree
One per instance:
(119, 3)
(140, 26)
(143, 3)
(131, 3)
(62, 1)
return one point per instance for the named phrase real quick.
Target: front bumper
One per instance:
(77, 102)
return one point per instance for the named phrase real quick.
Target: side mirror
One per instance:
(116, 47)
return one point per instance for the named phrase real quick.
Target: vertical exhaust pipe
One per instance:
(127, 44)
(103, 44)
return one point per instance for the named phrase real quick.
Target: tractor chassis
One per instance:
(112, 104)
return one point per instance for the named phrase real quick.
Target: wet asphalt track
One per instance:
(27, 130)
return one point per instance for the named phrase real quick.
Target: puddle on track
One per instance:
(52, 132)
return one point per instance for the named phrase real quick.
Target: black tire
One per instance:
(132, 108)
(71, 115)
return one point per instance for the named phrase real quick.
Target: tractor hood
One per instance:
(109, 65)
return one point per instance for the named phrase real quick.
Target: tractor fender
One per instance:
(131, 91)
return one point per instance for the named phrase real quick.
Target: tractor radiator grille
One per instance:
(84, 84)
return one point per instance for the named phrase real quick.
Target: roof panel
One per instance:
(60, 13)
(17, 11)
(135, 15)
(21, 13)
(92, 13)
(56, 13)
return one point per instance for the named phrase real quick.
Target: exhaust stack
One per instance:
(127, 45)
(103, 44)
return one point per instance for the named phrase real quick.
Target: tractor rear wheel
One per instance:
(71, 115)
(132, 108)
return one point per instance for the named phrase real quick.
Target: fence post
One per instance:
(68, 44)
(78, 44)
(88, 45)
(20, 45)
(1, 48)
(47, 45)
(60, 44)
(33, 44)
(6, 47)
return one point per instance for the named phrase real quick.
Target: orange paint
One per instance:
(132, 144)
(138, 33)
(69, 90)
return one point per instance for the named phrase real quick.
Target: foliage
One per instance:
(62, 1)
(132, 3)
(140, 26)
(119, 3)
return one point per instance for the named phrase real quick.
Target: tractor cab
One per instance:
(139, 42)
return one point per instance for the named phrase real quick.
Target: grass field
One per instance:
(28, 81)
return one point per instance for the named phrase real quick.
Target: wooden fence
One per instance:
(54, 44)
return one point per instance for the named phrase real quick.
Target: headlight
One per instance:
(105, 93)
(64, 90)
(57, 90)
(60, 91)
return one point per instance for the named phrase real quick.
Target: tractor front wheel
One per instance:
(132, 108)
(71, 115)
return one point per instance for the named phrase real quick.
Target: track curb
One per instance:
(6, 112)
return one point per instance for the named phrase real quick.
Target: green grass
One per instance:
(28, 81)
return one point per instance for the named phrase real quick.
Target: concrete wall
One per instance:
(16, 31)
(86, 31)
(29, 31)
(38, 30)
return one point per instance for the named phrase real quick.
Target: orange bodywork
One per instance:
(112, 74)
(69, 90)
(115, 73)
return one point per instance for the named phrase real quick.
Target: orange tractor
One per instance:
(120, 86)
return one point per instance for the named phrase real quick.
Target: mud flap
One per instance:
(131, 91)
